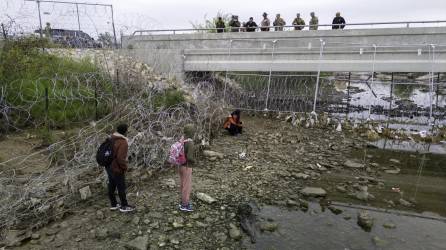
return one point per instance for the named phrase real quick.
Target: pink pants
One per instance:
(185, 184)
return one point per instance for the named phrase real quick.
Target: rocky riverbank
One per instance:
(272, 163)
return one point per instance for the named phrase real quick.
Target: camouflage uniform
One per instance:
(234, 24)
(298, 21)
(314, 21)
(279, 23)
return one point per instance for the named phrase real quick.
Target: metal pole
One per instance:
(96, 100)
(40, 18)
(4, 32)
(390, 102)
(431, 83)
(113, 25)
(270, 73)
(321, 51)
(437, 91)
(78, 21)
(47, 109)
(348, 93)
(226, 76)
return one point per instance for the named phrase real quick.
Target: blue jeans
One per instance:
(116, 182)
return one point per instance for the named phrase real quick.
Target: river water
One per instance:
(321, 229)
(421, 180)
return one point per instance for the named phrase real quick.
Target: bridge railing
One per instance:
(374, 25)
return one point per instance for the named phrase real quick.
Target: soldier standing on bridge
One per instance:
(250, 26)
(338, 22)
(265, 22)
(220, 25)
(279, 23)
(314, 21)
(298, 22)
(234, 24)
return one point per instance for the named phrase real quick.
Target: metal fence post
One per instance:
(321, 52)
(431, 82)
(390, 101)
(226, 75)
(4, 32)
(270, 73)
(348, 93)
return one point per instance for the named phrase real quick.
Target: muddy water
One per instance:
(319, 229)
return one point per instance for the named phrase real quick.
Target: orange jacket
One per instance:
(230, 120)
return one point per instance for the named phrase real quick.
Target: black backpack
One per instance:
(104, 156)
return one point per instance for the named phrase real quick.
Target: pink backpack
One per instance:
(177, 156)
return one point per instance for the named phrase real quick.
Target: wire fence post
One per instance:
(321, 53)
(348, 93)
(431, 89)
(40, 19)
(390, 101)
(437, 91)
(226, 75)
(270, 73)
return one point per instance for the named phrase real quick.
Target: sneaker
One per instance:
(187, 208)
(115, 207)
(126, 209)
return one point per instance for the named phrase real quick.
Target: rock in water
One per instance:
(352, 164)
(379, 242)
(389, 225)
(205, 198)
(393, 171)
(269, 226)
(85, 192)
(139, 243)
(313, 191)
(365, 221)
(247, 213)
(209, 153)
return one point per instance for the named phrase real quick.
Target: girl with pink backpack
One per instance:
(182, 155)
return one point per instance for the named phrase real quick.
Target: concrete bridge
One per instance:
(420, 49)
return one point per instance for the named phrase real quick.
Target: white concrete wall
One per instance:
(397, 50)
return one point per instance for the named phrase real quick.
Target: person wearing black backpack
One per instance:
(117, 168)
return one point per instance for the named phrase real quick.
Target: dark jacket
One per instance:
(337, 21)
(189, 145)
(220, 25)
(250, 26)
(120, 149)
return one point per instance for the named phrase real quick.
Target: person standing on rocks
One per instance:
(185, 170)
(220, 25)
(233, 123)
(116, 172)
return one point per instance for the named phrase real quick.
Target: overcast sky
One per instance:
(145, 14)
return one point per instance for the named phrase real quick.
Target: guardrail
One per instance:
(406, 24)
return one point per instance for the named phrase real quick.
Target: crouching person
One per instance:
(116, 171)
(233, 123)
(182, 155)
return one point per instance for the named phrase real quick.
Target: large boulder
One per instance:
(353, 164)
